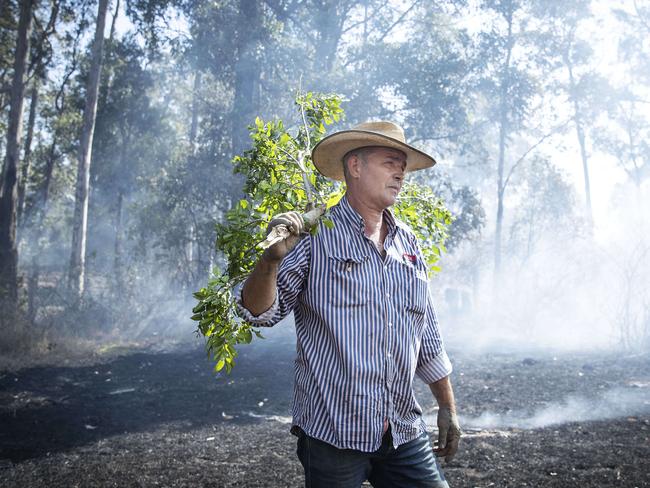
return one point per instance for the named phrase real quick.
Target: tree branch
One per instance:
(282, 15)
(640, 16)
(401, 17)
(357, 24)
(44, 37)
(530, 149)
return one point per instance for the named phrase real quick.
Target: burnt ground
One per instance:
(162, 418)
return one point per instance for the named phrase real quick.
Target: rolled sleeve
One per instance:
(262, 319)
(290, 282)
(433, 362)
(434, 369)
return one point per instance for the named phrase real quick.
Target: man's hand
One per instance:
(294, 223)
(448, 433)
(258, 293)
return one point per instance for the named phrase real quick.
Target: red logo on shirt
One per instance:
(411, 257)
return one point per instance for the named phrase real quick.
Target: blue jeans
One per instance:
(411, 465)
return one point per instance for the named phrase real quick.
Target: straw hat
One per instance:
(328, 153)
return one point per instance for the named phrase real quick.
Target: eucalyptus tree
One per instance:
(133, 135)
(41, 60)
(626, 133)
(507, 54)
(323, 24)
(9, 188)
(229, 40)
(328, 45)
(278, 44)
(80, 222)
(465, 205)
(634, 46)
(27, 151)
(49, 19)
(547, 206)
(219, 63)
(316, 28)
(238, 59)
(570, 52)
(626, 137)
(425, 80)
(59, 113)
(206, 74)
(8, 30)
(45, 216)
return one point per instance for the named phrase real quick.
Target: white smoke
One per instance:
(614, 403)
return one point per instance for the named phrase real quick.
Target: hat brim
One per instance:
(328, 154)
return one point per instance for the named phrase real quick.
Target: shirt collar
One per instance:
(355, 221)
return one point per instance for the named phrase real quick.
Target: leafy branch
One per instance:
(279, 177)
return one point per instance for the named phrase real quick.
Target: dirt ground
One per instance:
(163, 418)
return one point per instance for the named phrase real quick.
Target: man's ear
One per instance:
(354, 165)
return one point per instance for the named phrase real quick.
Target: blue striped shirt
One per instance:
(365, 326)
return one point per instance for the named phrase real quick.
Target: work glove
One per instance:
(294, 223)
(448, 434)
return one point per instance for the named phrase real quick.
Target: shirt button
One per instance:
(387, 295)
(388, 355)
(390, 324)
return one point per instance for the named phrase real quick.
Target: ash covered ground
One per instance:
(155, 417)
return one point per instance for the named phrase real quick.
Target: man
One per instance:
(365, 323)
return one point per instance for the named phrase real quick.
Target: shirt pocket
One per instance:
(348, 283)
(415, 289)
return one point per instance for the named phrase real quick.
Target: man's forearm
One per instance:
(448, 427)
(444, 393)
(259, 289)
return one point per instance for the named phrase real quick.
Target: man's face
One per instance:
(380, 176)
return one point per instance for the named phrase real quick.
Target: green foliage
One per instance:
(280, 177)
(428, 217)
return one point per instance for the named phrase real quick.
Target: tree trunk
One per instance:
(47, 180)
(199, 264)
(117, 249)
(194, 126)
(577, 119)
(26, 166)
(329, 26)
(80, 222)
(111, 34)
(40, 209)
(32, 287)
(9, 190)
(194, 244)
(247, 72)
(503, 134)
(106, 95)
(117, 257)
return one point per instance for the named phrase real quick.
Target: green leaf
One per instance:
(220, 364)
(334, 198)
(248, 336)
